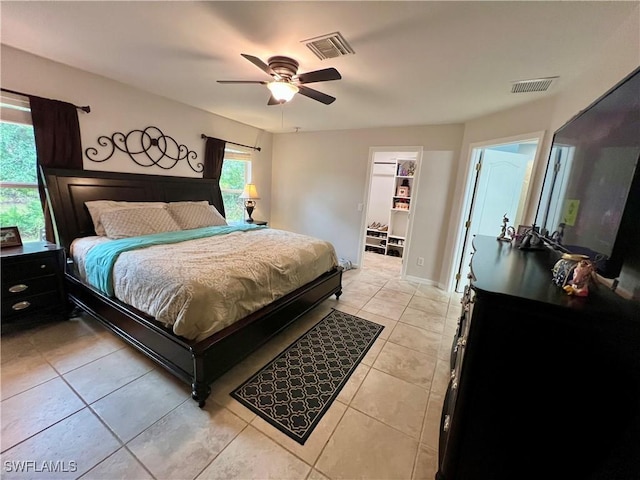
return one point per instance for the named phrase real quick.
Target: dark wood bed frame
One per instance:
(197, 363)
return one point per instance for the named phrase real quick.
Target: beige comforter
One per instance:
(201, 286)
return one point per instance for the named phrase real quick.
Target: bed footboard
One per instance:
(200, 363)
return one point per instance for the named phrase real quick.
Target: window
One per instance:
(19, 199)
(236, 171)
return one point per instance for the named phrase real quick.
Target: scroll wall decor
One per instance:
(147, 148)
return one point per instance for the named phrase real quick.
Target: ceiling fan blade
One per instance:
(324, 75)
(243, 81)
(261, 65)
(316, 95)
(273, 101)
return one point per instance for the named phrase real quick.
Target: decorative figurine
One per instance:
(558, 234)
(505, 236)
(404, 189)
(579, 285)
(531, 240)
(563, 270)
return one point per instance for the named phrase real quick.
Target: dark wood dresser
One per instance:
(32, 283)
(543, 385)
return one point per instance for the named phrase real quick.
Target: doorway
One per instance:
(392, 188)
(498, 185)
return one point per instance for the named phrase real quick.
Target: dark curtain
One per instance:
(213, 158)
(57, 134)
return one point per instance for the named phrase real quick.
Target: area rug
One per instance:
(295, 389)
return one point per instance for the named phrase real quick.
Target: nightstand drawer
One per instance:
(25, 305)
(32, 284)
(19, 271)
(29, 286)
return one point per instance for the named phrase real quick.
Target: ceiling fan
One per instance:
(286, 81)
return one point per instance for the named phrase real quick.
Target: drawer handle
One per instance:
(21, 305)
(21, 287)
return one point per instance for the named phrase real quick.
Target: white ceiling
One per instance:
(416, 63)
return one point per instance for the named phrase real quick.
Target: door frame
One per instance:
(469, 187)
(418, 150)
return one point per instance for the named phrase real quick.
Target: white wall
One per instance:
(611, 63)
(432, 220)
(116, 107)
(319, 178)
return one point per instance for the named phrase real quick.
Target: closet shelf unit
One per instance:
(376, 240)
(392, 241)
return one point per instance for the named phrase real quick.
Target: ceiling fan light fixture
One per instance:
(282, 91)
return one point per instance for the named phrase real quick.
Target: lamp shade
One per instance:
(282, 91)
(250, 192)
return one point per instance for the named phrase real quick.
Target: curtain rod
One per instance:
(86, 109)
(234, 143)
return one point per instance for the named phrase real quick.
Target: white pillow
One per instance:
(191, 215)
(133, 222)
(98, 207)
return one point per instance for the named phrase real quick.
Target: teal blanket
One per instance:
(101, 258)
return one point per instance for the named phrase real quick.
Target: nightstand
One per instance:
(32, 283)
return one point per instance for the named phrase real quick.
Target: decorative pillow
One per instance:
(191, 215)
(98, 207)
(133, 222)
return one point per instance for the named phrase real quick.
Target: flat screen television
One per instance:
(590, 201)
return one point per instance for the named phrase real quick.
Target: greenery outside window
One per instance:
(236, 171)
(19, 199)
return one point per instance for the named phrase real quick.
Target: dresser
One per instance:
(32, 283)
(543, 385)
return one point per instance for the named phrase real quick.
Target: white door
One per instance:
(498, 191)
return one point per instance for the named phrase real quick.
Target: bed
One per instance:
(195, 360)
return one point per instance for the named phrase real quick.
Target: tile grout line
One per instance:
(51, 379)
(98, 417)
(126, 445)
(249, 423)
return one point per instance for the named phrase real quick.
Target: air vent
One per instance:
(329, 46)
(533, 85)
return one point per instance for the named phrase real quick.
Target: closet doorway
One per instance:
(392, 185)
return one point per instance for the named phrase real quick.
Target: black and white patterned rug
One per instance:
(295, 389)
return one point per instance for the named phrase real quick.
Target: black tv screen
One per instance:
(589, 202)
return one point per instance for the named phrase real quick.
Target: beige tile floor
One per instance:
(138, 422)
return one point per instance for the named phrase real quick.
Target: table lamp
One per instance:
(250, 195)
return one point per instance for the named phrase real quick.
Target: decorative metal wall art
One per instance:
(147, 148)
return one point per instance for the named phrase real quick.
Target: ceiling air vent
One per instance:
(329, 46)
(533, 85)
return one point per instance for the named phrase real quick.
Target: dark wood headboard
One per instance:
(69, 189)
